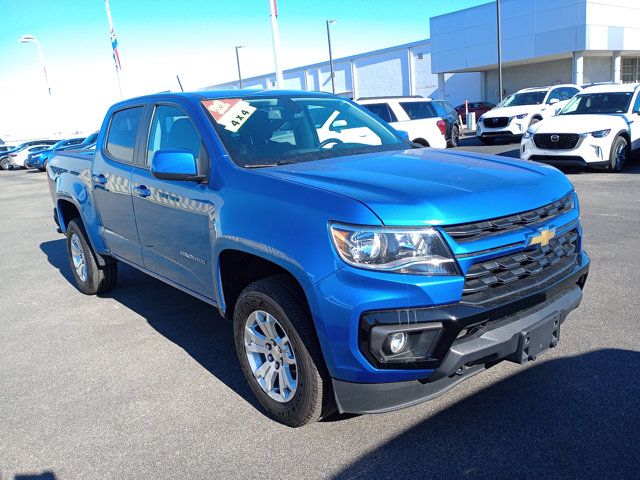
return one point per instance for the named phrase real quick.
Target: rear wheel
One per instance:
(5, 164)
(279, 352)
(455, 136)
(618, 155)
(90, 277)
(486, 140)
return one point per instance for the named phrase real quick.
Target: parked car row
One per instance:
(36, 153)
(599, 127)
(427, 122)
(18, 154)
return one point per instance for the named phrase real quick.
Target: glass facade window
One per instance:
(630, 72)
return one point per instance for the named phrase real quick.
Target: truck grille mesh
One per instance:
(468, 232)
(506, 275)
(564, 141)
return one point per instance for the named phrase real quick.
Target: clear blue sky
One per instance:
(193, 38)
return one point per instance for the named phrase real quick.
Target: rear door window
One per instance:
(383, 111)
(419, 110)
(123, 130)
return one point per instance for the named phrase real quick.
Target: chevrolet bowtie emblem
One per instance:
(543, 237)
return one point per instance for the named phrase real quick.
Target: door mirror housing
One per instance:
(338, 125)
(175, 165)
(553, 101)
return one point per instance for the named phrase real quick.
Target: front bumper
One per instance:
(590, 151)
(500, 341)
(514, 128)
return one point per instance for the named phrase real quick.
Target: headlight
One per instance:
(419, 251)
(528, 134)
(521, 116)
(600, 133)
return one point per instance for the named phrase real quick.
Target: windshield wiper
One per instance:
(265, 165)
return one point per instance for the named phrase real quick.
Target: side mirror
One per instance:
(403, 134)
(553, 101)
(338, 125)
(175, 165)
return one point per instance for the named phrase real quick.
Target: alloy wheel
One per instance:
(270, 356)
(78, 258)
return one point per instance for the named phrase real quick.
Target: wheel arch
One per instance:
(67, 210)
(237, 268)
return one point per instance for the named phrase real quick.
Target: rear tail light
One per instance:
(442, 126)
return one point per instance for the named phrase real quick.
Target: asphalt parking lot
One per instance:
(144, 383)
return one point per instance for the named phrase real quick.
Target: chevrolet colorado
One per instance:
(359, 277)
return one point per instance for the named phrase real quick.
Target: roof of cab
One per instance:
(215, 94)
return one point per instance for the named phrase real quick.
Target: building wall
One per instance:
(383, 74)
(467, 39)
(530, 75)
(612, 25)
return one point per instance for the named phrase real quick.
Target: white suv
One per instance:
(432, 123)
(517, 112)
(598, 128)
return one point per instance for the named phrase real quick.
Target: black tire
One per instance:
(486, 140)
(421, 141)
(5, 164)
(618, 155)
(98, 279)
(313, 397)
(455, 136)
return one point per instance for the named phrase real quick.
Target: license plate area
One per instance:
(539, 338)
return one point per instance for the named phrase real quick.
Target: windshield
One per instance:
(262, 131)
(524, 98)
(605, 102)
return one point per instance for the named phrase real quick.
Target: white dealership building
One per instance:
(544, 42)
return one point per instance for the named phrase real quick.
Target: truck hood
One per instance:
(513, 111)
(432, 187)
(581, 123)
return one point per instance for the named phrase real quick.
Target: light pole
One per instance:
(499, 49)
(333, 80)
(34, 40)
(238, 47)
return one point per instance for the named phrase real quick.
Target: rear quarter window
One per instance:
(419, 110)
(123, 130)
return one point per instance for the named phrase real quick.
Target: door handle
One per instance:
(142, 191)
(99, 178)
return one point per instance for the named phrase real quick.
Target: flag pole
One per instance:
(275, 34)
(114, 45)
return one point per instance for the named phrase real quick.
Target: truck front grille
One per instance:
(468, 232)
(517, 272)
(563, 141)
(496, 122)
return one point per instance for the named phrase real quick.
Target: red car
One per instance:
(480, 108)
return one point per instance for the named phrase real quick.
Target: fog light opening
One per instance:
(397, 342)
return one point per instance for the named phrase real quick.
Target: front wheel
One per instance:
(618, 155)
(90, 277)
(279, 352)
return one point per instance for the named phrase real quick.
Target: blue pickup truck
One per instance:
(362, 273)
